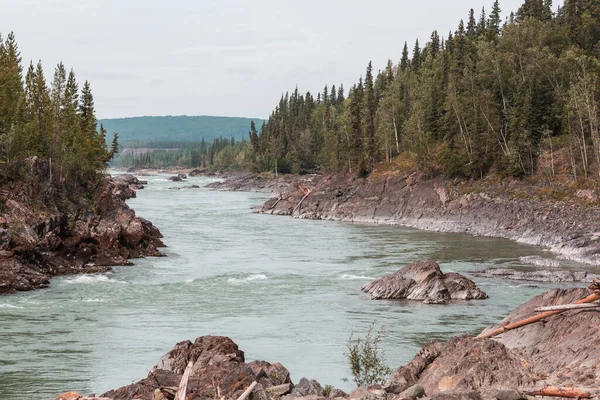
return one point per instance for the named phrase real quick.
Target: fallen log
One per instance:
(248, 391)
(554, 391)
(182, 391)
(301, 201)
(274, 204)
(590, 299)
(568, 307)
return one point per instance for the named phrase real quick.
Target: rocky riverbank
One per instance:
(562, 352)
(57, 235)
(505, 210)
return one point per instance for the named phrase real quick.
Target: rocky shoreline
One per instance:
(567, 227)
(562, 353)
(36, 245)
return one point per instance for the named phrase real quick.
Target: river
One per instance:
(283, 289)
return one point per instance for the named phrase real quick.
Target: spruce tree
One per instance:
(472, 25)
(369, 109)
(404, 61)
(493, 26)
(416, 56)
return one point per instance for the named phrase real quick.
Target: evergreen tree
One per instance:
(369, 109)
(472, 25)
(493, 25)
(416, 56)
(404, 61)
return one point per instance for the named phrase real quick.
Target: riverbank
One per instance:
(560, 354)
(48, 233)
(502, 209)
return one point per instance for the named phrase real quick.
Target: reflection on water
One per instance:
(285, 290)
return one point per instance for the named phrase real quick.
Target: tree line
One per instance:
(493, 95)
(55, 122)
(220, 154)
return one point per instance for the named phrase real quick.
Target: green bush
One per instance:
(367, 360)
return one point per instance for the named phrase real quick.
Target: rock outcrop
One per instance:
(219, 369)
(58, 236)
(562, 350)
(424, 281)
(408, 199)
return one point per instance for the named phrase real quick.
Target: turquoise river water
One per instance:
(283, 289)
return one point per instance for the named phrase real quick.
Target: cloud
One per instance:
(242, 70)
(111, 75)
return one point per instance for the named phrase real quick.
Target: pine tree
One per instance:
(482, 24)
(416, 56)
(472, 25)
(11, 87)
(404, 61)
(435, 44)
(493, 26)
(547, 13)
(355, 111)
(369, 109)
(531, 9)
(86, 110)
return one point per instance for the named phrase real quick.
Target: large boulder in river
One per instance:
(219, 370)
(424, 281)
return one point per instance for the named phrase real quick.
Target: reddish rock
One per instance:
(424, 281)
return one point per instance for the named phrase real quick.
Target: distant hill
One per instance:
(178, 128)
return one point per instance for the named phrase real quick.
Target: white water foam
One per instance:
(248, 279)
(93, 301)
(539, 261)
(91, 279)
(356, 277)
(4, 305)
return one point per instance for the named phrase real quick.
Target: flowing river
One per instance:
(283, 289)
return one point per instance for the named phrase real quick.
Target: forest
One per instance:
(515, 95)
(220, 154)
(177, 128)
(55, 122)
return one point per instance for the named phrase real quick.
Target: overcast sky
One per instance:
(221, 57)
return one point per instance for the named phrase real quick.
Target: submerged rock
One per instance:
(177, 178)
(424, 281)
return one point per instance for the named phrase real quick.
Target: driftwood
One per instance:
(568, 307)
(301, 201)
(591, 298)
(182, 391)
(560, 392)
(248, 391)
(274, 204)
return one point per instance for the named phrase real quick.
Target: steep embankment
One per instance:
(505, 210)
(48, 233)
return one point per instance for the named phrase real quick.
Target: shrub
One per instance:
(367, 360)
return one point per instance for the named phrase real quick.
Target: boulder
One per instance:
(424, 281)
(177, 178)
(307, 388)
(218, 370)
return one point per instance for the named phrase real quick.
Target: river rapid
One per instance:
(283, 289)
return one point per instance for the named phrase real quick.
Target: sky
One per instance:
(221, 57)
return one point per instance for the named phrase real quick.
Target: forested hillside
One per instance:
(507, 94)
(177, 128)
(55, 122)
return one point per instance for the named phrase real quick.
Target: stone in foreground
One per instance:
(424, 281)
